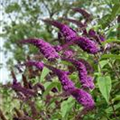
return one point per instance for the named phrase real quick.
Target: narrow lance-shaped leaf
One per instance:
(66, 106)
(112, 56)
(50, 87)
(107, 19)
(45, 71)
(104, 84)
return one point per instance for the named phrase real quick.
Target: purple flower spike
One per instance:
(38, 65)
(90, 82)
(69, 53)
(54, 23)
(85, 80)
(98, 37)
(45, 48)
(82, 72)
(87, 45)
(87, 65)
(67, 84)
(83, 98)
(18, 88)
(65, 81)
(65, 30)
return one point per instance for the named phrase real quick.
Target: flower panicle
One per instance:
(98, 37)
(87, 45)
(85, 80)
(83, 98)
(65, 30)
(45, 48)
(87, 65)
(67, 84)
(54, 23)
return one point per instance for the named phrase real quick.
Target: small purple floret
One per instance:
(58, 48)
(98, 37)
(38, 65)
(102, 38)
(68, 53)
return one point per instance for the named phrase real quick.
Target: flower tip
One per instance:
(54, 23)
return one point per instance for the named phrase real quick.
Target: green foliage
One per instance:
(112, 56)
(108, 18)
(66, 107)
(45, 71)
(50, 86)
(13, 7)
(104, 84)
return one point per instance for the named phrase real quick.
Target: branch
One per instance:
(2, 115)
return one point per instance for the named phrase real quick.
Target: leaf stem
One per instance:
(112, 105)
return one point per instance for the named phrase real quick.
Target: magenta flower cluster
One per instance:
(65, 31)
(45, 48)
(85, 80)
(80, 95)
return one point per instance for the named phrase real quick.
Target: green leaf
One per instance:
(112, 56)
(117, 98)
(45, 71)
(103, 63)
(104, 84)
(116, 1)
(12, 7)
(50, 87)
(111, 40)
(66, 106)
(107, 19)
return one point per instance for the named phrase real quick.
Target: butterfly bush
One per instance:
(88, 41)
(51, 52)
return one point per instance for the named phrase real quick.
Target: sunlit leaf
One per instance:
(112, 56)
(45, 71)
(104, 84)
(12, 7)
(66, 106)
(50, 87)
